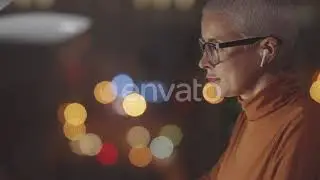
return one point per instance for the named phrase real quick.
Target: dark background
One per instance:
(146, 44)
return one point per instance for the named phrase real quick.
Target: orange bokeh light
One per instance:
(212, 93)
(140, 156)
(104, 92)
(74, 132)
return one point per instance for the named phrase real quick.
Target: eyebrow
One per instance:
(210, 40)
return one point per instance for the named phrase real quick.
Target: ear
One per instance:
(272, 46)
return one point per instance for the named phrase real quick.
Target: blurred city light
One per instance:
(141, 4)
(75, 147)
(315, 91)
(153, 92)
(90, 144)
(75, 114)
(103, 92)
(41, 27)
(123, 85)
(138, 136)
(108, 154)
(173, 132)
(4, 3)
(162, 4)
(161, 147)
(212, 93)
(184, 5)
(74, 132)
(140, 156)
(134, 105)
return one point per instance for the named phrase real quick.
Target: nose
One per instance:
(204, 61)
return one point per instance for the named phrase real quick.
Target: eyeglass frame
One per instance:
(221, 45)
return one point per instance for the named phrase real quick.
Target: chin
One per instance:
(229, 94)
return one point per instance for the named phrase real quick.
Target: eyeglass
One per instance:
(211, 48)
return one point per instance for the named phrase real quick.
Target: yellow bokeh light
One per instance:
(140, 156)
(74, 132)
(212, 93)
(75, 114)
(138, 136)
(134, 105)
(184, 4)
(172, 132)
(103, 92)
(141, 4)
(44, 4)
(315, 91)
(90, 144)
(23, 3)
(162, 4)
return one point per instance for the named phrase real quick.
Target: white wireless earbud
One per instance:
(264, 55)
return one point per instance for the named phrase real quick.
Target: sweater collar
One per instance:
(274, 96)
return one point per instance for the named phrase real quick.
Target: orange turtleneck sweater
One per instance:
(276, 137)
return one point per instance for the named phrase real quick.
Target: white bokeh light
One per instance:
(138, 136)
(90, 144)
(161, 147)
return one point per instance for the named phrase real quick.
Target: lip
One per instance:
(213, 79)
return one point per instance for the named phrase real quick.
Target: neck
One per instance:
(261, 83)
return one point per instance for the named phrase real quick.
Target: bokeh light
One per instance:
(153, 92)
(74, 132)
(134, 105)
(162, 4)
(173, 132)
(108, 154)
(161, 147)
(75, 147)
(138, 136)
(315, 91)
(140, 156)
(212, 93)
(123, 85)
(184, 5)
(104, 92)
(75, 114)
(141, 4)
(44, 4)
(23, 3)
(90, 144)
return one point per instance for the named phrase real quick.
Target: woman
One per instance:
(247, 46)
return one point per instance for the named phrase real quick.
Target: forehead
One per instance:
(218, 26)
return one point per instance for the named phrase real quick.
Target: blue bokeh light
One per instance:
(123, 85)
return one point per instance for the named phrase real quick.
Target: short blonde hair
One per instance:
(260, 17)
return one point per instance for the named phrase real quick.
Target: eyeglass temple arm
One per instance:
(238, 42)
